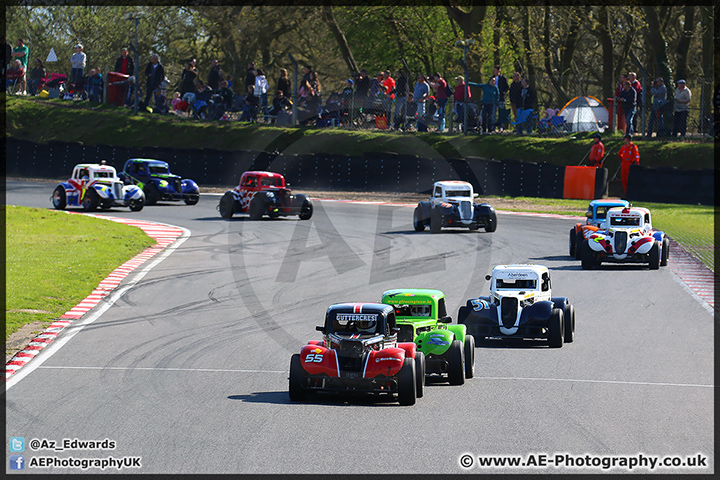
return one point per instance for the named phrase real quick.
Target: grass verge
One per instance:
(55, 259)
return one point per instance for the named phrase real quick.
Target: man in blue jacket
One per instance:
(489, 100)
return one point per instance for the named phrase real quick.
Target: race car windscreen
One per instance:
(625, 221)
(516, 284)
(413, 310)
(271, 182)
(161, 169)
(457, 193)
(355, 323)
(103, 175)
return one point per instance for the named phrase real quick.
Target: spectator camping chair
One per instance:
(558, 125)
(525, 120)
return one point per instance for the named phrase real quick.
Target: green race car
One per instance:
(422, 318)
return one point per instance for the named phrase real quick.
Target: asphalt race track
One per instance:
(189, 369)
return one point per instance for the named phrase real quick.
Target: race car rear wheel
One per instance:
(151, 193)
(59, 198)
(227, 202)
(569, 323)
(456, 363)
(407, 389)
(306, 211)
(654, 256)
(555, 329)
(579, 239)
(435, 220)
(587, 256)
(90, 201)
(192, 200)
(469, 350)
(419, 373)
(418, 220)
(296, 390)
(572, 242)
(491, 224)
(137, 205)
(257, 208)
(665, 252)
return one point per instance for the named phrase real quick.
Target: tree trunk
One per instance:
(329, 18)
(684, 45)
(608, 75)
(658, 46)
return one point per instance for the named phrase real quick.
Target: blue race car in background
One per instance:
(156, 181)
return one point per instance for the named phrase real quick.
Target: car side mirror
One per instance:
(589, 214)
(445, 319)
(320, 328)
(395, 330)
(476, 195)
(488, 277)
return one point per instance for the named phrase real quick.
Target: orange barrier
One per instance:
(579, 183)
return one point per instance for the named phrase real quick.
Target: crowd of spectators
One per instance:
(383, 100)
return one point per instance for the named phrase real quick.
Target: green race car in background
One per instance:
(422, 318)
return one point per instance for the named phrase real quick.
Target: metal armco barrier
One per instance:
(671, 185)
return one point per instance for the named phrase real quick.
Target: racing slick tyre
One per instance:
(587, 260)
(654, 256)
(257, 208)
(469, 351)
(306, 211)
(462, 314)
(569, 323)
(297, 392)
(407, 390)
(227, 204)
(491, 224)
(192, 200)
(572, 242)
(419, 374)
(418, 220)
(665, 252)
(90, 201)
(456, 361)
(152, 195)
(137, 205)
(555, 329)
(579, 239)
(435, 220)
(59, 199)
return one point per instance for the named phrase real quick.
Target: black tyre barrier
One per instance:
(371, 172)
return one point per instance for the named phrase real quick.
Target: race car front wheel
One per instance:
(151, 194)
(569, 323)
(407, 389)
(90, 201)
(491, 224)
(555, 329)
(419, 373)
(297, 392)
(654, 256)
(469, 350)
(226, 205)
(59, 198)
(572, 242)
(579, 239)
(456, 367)
(435, 220)
(665, 252)
(418, 220)
(137, 205)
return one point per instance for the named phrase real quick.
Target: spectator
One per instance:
(95, 88)
(226, 94)
(307, 73)
(388, 84)
(124, 64)
(280, 103)
(659, 93)
(304, 93)
(187, 79)
(683, 95)
(201, 100)
(315, 99)
(175, 102)
(15, 75)
(501, 83)
(215, 75)
(628, 100)
(36, 75)
(460, 96)
(77, 60)
(283, 84)
(515, 94)
(261, 87)
(635, 84)
(251, 103)
(229, 79)
(401, 87)
(362, 86)
(618, 105)
(154, 74)
(489, 100)
(529, 97)
(250, 76)
(442, 93)
(597, 152)
(421, 93)
(629, 154)
(160, 102)
(21, 52)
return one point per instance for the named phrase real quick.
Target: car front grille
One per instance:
(177, 186)
(465, 210)
(350, 356)
(508, 311)
(117, 190)
(620, 241)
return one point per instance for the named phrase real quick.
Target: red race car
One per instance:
(264, 193)
(359, 352)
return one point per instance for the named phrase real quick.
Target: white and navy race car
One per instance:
(453, 205)
(520, 305)
(95, 185)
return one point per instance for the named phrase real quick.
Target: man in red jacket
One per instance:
(629, 154)
(597, 152)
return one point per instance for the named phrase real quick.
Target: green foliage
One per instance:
(55, 259)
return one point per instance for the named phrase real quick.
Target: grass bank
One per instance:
(42, 120)
(55, 259)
